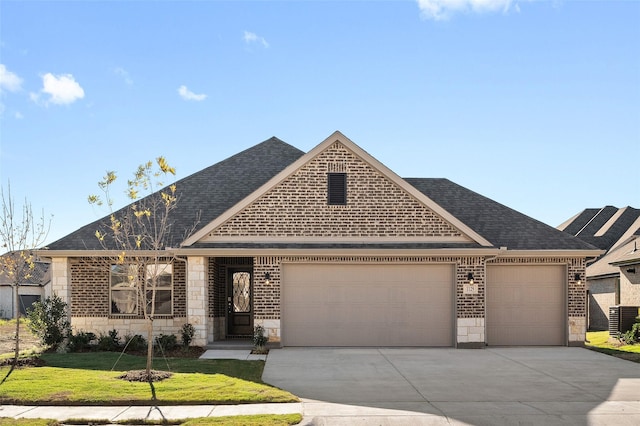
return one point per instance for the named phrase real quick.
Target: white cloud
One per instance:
(250, 37)
(188, 95)
(62, 89)
(18, 115)
(443, 9)
(8, 80)
(124, 74)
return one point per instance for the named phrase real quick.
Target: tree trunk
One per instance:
(17, 300)
(150, 356)
(149, 345)
(14, 364)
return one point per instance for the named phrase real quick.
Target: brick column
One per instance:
(197, 298)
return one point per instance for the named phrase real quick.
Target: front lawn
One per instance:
(599, 341)
(86, 378)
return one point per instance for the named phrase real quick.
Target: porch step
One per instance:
(237, 344)
(231, 344)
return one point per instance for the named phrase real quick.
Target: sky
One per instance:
(534, 104)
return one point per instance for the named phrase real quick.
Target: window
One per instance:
(337, 188)
(163, 273)
(123, 291)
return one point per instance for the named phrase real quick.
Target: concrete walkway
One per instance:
(498, 386)
(120, 413)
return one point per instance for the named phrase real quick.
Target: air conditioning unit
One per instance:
(621, 319)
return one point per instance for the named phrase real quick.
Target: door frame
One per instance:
(229, 314)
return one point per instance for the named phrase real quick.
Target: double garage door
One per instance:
(413, 305)
(367, 305)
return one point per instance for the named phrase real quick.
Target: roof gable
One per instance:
(293, 207)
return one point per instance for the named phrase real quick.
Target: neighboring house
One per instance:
(610, 281)
(331, 248)
(30, 291)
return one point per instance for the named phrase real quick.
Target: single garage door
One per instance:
(367, 305)
(526, 305)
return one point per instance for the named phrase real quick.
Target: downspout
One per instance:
(486, 260)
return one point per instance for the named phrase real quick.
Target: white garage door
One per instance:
(526, 305)
(367, 305)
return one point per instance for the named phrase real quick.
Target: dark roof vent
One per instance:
(337, 188)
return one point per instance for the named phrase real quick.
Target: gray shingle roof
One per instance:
(501, 225)
(217, 188)
(209, 192)
(587, 224)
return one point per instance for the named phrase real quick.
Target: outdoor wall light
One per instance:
(267, 278)
(470, 277)
(578, 278)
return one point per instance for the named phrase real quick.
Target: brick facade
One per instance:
(377, 210)
(297, 207)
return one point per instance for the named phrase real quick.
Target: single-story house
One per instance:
(332, 248)
(616, 231)
(30, 290)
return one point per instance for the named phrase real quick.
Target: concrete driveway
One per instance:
(538, 386)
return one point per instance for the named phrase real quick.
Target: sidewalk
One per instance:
(170, 412)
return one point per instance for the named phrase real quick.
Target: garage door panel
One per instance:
(526, 305)
(367, 305)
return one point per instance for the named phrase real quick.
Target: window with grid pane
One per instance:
(124, 290)
(163, 273)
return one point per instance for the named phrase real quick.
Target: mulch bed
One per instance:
(23, 362)
(141, 376)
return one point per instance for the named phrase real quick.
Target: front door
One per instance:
(239, 302)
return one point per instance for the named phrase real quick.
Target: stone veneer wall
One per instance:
(373, 204)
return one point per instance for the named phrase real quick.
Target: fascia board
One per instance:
(551, 253)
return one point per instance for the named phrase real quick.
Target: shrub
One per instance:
(109, 342)
(48, 320)
(632, 336)
(166, 342)
(81, 341)
(135, 343)
(187, 335)
(259, 339)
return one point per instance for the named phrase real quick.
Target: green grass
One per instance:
(5, 421)
(107, 361)
(257, 420)
(599, 341)
(86, 378)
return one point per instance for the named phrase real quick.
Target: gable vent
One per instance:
(336, 167)
(337, 188)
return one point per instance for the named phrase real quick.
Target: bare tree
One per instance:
(135, 239)
(20, 234)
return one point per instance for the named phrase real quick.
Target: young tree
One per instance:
(20, 234)
(136, 238)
